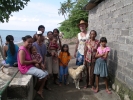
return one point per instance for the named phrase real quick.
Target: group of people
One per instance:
(93, 54)
(43, 58)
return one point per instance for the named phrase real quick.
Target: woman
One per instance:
(10, 51)
(55, 65)
(91, 46)
(26, 64)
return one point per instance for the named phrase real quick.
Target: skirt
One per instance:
(101, 67)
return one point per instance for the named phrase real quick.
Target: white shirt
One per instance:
(82, 41)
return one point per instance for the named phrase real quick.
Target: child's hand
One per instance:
(34, 61)
(43, 68)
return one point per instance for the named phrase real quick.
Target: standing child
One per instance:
(36, 56)
(64, 58)
(53, 49)
(101, 64)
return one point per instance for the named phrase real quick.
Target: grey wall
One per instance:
(114, 20)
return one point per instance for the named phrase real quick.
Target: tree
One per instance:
(62, 10)
(69, 26)
(66, 8)
(9, 6)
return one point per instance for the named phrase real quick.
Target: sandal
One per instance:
(96, 91)
(109, 92)
(85, 87)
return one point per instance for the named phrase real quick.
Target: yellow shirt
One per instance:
(64, 58)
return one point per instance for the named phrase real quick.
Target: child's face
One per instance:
(54, 40)
(34, 51)
(92, 35)
(103, 44)
(65, 48)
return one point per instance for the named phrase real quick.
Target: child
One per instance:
(37, 56)
(101, 64)
(53, 48)
(64, 58)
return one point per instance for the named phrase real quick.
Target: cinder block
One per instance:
(129, 81)
(121, 39)
(121, 76)
(126, 71)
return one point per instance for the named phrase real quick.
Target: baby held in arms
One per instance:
(53, 49)
(36, 56)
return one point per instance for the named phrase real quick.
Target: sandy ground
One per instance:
(69, 92)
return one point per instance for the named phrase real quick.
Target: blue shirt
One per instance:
(11, 59)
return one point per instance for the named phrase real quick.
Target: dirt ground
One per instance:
(69, 92)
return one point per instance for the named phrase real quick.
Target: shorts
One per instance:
(37, 72)
(63, 70)
(79, 59)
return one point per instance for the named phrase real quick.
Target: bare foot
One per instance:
(40, 94)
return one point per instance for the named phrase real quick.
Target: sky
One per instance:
(37, 12)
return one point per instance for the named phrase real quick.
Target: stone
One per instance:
(113, 86)
(117, 89)
(126, 97)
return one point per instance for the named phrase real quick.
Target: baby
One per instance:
(53, 48)
(37, 56)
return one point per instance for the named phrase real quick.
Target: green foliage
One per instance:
(69, 27)
(9, 6)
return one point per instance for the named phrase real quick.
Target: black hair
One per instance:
(56, 30)
(94, 32)
(40, 26)
(103, 39)
(62, 49)
(26, 37)
(10, 39)
(49, 32)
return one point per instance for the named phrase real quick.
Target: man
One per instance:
(41, 49)
(79, 49)
(42, 29)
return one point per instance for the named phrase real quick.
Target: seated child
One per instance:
(37, 56)
(53, 48)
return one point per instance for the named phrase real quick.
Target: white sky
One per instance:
(37, 12)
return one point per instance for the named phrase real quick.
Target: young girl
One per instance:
(64, 58)
(101, 64)
(37, 56)
(53, 48)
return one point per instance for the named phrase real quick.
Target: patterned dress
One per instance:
(90, 59)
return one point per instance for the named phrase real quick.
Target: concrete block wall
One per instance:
(113, 19)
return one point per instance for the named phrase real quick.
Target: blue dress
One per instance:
(11, 59)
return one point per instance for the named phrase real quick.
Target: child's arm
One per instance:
(98, 55)
(105, 55)
(61, 62)
(40, 58)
